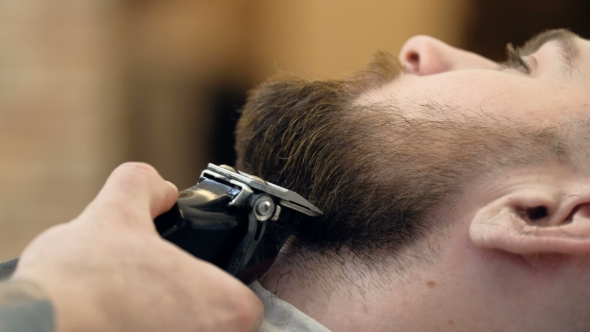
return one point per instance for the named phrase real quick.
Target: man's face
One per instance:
(521, 244)
(501, 150)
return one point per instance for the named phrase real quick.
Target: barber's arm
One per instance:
(109, 270)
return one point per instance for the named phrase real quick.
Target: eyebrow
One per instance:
(564, 38)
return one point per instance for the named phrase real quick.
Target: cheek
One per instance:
(467, 93)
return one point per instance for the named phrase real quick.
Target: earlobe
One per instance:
(534, 223)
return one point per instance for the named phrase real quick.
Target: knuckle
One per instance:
(137, 168)
(132, 173)
(54, 232)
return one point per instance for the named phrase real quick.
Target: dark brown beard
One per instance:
(376, 174)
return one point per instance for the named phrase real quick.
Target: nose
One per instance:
(424, 55)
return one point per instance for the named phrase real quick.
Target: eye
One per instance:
(514, 60)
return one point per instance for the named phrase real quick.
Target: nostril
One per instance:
(413, 57)
(412, 62)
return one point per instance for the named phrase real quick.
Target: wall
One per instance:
(59, 128)
(87, 84)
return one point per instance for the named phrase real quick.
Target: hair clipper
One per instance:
(234, 220)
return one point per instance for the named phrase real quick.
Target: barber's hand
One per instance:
(109, 270)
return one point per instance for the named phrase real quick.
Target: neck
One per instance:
(460, 287)
(345, 294)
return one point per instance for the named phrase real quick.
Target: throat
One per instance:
(334, 292)
(304, 286)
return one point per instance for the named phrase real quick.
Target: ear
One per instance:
(535, 222)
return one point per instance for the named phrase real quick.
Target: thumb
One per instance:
(133, 193)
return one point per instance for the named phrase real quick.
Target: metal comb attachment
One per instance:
(235, 220)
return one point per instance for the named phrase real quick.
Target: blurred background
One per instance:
(88, 84)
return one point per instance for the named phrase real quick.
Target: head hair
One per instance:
(375, 173)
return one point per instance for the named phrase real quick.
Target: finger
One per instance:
(250, 310)
(133, 191)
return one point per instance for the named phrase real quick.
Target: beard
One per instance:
(378, 175)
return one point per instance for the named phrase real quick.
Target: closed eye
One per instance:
(514, 60)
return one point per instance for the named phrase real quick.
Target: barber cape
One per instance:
(280, 316)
